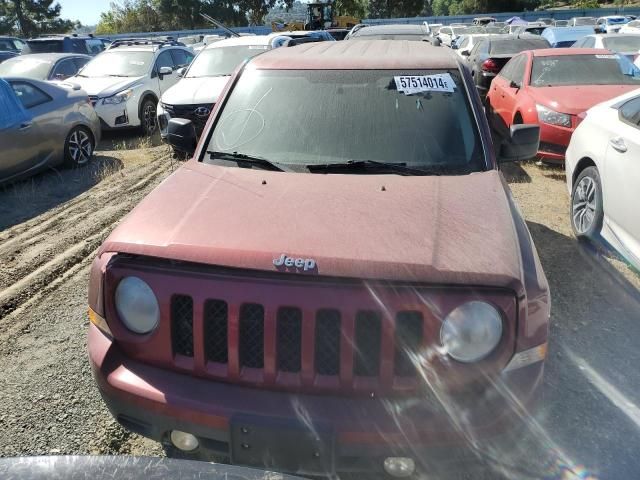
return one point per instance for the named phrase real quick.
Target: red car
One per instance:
(552, 87)
(336, 288)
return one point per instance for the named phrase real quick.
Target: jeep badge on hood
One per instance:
(304, 263)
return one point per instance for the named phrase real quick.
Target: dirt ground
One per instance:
(51, 226)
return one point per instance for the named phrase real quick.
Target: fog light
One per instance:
(399, 467)
(184, 441)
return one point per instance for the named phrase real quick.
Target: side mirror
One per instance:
(181, 71)
(437, 42)
(61, 76)
(465, 53)
(164, 71)
(522, 144)
(181, 135)
(514, 85)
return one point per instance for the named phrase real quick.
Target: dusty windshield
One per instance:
(599, 69)
(219, 61)
(622, 43)
(118, 64)
(413, 129)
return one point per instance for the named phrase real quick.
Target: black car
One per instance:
(6, 55)
(490, 54)
(65, 44)
(11, 44)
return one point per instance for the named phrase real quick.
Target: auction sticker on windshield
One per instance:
(410, 84)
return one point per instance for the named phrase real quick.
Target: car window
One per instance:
(445, 30)
(592, 69)
(517, 69)
(622, 43)
(80, 62)
(589, 42)
(79, 46)
(46, 46)
(181, 58)
(165, 60)
(6, 44)
(465, 42)
(501, 47)
(313, 131)
(475, 49)
(94, 46)
(29, 95)
(630, 112)
(64, 69)
(507, 70)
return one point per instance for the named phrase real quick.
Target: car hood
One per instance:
(436, 229)
(575, 99)
(104, 86)
(193, 91)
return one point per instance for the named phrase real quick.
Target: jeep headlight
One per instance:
(119, 97)
(552, 117)
(471, 331)
(137, 305)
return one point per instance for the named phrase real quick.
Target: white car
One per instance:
(466, 43)
(125, 82)
(610, 24)
(447, 34)
(632, 27)
(194, 96)
(624, 44)
(603, 174)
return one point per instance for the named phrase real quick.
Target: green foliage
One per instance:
(585, 4)
(353, 8)
(30, 18)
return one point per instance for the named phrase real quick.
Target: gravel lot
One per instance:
(52, 225)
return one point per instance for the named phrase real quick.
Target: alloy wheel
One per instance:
(80, 146)
(149, 118)
(583, 206)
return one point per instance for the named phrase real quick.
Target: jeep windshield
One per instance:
(214, 62)
(118, 64)
(316, 118)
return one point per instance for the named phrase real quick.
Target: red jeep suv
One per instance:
(338, 280)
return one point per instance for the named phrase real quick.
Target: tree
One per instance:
(257, 9)
(353, 8)
(32, 17)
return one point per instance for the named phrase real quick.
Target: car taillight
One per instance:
(490, 66)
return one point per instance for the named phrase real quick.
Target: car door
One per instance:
(621, 177)
(509, 87)
(63, 69)
(24, 146)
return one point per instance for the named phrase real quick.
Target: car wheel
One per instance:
(148, 117)
(587, 211)
(78, 147)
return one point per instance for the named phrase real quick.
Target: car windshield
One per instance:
(414, 129)
(598, 69)
(219, 61)
(622, 43)
(584, 21)
(114, 63)
(9, 44)
(459, 30)
(45, 46)
(516, 46)
(535, 30)
(26, 66)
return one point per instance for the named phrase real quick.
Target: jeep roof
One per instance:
(364, 55)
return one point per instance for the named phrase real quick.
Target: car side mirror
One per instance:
(181, 71)
(514, 85)
(164, 71)
(522, 144)
(465, 53)
(61, 76)
(181, 135)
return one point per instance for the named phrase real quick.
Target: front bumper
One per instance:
(123, 115)
(554, 141)
(358, 432)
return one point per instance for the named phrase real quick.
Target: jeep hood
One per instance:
(104, 86)
(194, 91)
(435, 229)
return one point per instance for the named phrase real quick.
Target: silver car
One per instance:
(44, 125)
(44, 66)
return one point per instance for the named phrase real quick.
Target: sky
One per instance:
(87, 11)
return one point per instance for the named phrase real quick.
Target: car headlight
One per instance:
(471, 331)
(552, 117)
(137, 305)
(119, 97)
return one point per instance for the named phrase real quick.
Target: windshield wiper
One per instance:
(400, 168)
(244, 160)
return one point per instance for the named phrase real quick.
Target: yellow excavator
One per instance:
(320, 16)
